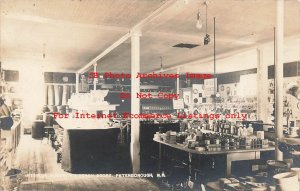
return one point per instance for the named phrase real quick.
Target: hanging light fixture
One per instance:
(207, 37)
(161, 65)
(44, 58)
(199, 23)
(217, 95)
(44, 51)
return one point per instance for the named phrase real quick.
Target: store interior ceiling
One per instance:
(66, 35)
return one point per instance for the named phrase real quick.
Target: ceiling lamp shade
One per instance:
(207, 37)
(199, 23)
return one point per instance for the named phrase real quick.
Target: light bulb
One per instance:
(199, 22)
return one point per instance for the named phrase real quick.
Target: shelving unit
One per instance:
(9, 138)
(8, 145)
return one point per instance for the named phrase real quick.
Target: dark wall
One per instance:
(57, 77)
(234, 77)
(290, 69)
(11, 75)
(223, 78)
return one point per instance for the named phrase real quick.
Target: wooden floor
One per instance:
(90, 184)
(40, 172)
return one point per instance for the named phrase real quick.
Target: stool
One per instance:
(37, 129)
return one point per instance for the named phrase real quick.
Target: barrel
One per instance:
(52, 108)
(51, 98)
(45, 109)
(68, 110)
(37, 129)
(61, 109)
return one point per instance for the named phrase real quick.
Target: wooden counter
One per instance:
(86, 149)
(180, 147)
(231, 155)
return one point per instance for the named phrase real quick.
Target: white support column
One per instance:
(262, 86)
(135, 102)
(279, 76)
(77, 83)
(177, 81)
(95, 80)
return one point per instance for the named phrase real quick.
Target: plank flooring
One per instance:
(40, 172)
(91, 184)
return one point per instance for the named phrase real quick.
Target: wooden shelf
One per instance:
(142, 85)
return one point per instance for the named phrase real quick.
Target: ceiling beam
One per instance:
(137, 27)
(57, 22)
(154, 15)
(105, 52)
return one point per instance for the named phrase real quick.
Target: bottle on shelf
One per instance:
(245, 131)
(240, 131)
(250, 129)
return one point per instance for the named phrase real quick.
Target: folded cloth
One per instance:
(6, 122)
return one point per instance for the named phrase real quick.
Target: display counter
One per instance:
(148, 148)
(85, 144)
(231, 155)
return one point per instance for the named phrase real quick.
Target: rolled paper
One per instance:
(60, 93)
(66, 94)
(46, 95)
(51, 98)
(56, 95)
